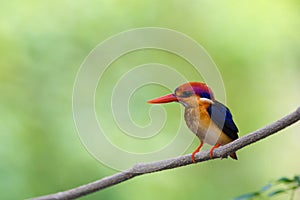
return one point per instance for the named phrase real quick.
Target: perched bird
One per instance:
(209, 119)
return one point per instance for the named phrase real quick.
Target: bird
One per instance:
(210, 120)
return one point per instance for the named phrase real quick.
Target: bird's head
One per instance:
(190, 94)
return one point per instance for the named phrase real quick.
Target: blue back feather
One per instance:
(222, 117)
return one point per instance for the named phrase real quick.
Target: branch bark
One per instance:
(144, 168)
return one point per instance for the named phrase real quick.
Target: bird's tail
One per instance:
(233, 156)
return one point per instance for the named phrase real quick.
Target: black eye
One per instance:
(186, 94)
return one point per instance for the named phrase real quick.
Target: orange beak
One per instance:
(164, 99)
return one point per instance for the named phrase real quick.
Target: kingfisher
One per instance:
(209, 119)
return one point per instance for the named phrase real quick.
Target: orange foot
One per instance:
(196, 151)
(212, 150)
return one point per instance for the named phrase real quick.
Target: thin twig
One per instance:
(144, 168)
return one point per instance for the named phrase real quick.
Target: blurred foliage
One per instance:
(282, 185)
(255, 45)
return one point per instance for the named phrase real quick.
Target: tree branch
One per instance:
(144, 168)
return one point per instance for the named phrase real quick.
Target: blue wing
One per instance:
(222, 117)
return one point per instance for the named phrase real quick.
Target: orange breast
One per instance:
(200, 123)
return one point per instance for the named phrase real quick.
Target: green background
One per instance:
(255, 44)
